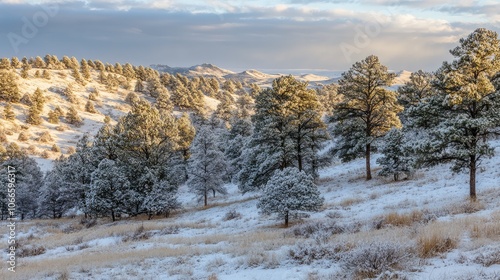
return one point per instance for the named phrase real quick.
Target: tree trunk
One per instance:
(206, 199)
(286, 219)
(299, 151)
(113, 215)
(367, 156)
(472, 177)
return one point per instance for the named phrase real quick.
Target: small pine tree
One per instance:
(23, 136)
(24, 73)
(5, 64)
(107, 119)
(38, 99)
(206, 166)
(85, 69)
(93, 96)
(33, 116)
(397, 159)
(53, 117)
(89, 107)
(9, 90)
(37, 74)
(108, 189)
(46, 74)
(290, 190)
(72, 117)
(55, 149)
(45, 137)
(68, 92)
(132, 98)
(8, 112)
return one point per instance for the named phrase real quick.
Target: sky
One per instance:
(293, 34)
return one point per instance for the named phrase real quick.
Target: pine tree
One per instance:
(28, 180)
(5, 64)
(24, 71)
(46, 75)
(8, 112)
(163, 102)
(147, 141)
(187, 133)
(398, 156)
(72, 117)
(70, 96)
(288, 131)
(458, 120)
(206, 166)
(53, 117)
(224, 110)
(109, 189)
(15, 63)
(161, 199)
(85, 69)
(33, 116)
(89, 107)
(368, 110)
(416, 89)
(38, 99)
(9, 90)
(290, 190)
(52, 202)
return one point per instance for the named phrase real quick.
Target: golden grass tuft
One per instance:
(437, 238)
(407, 219)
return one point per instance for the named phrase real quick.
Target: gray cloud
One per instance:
(257, 37)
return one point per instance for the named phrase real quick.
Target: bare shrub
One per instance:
(231, 215)
(170, 230)
(488, 258)
(372, 259)
(28, 250)
(32, 150)
(45, 137)
(45, 154)
(312, 229)
(213, 276)
(350, 201)
(55, 149)
(71, 150)
(62, 127)
(308, 252)
(88, 222)
(466, 207)
(138, 234)
(23, 136)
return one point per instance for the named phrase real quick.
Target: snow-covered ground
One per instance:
(230, 240)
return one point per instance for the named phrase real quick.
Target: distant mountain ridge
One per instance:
(255, 76)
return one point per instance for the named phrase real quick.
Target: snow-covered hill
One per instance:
(230, 240)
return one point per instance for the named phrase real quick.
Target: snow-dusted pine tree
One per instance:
(465, 111)
(207, 165)
(108, 189)
(398, 157)
(9, 90)
(368, 110)
(288, 191)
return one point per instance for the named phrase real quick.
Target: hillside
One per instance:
(230, 240)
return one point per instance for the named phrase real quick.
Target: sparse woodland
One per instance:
(270, 143)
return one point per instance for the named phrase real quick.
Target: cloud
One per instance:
(250, 36)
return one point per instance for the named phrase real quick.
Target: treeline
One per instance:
(269, 140)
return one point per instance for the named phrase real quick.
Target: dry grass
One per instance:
(407, 219)
(350, 201)
(438, 237)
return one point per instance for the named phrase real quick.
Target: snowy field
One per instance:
(423, 228)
